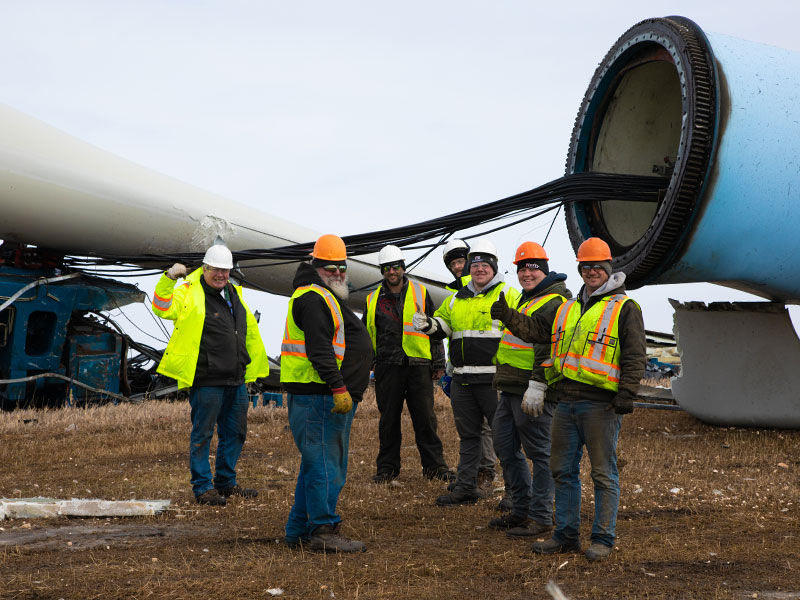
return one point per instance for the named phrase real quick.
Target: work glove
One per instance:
(176, 271)
(423, 322)
(622, 404)
(533, 399)
(499, 308)
(342, 402)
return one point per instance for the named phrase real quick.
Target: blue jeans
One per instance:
(596, 426)
(223, 406)
(514, 431)
(323, 439)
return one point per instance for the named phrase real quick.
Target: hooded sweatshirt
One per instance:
(633, 346)
(313, 316)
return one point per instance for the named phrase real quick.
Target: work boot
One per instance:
(440, 473)
(384, 477)
(597, 551)
(509, 521)
(210, 497)
(458, 497)
(504, 505)
(326, 538)
(554, 546)
(238, 490)
(485, 483)
(533, 529)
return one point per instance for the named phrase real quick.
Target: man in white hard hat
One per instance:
(454, 256)
(474, 339)
(215, 349)
(406, 363)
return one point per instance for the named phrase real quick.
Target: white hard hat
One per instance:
(390, 255)
(218, 256)
(455, 247)
(483, 246)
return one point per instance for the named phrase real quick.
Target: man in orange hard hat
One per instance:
(597, 359)
(215, 349)
(325, 361)
(523, 417)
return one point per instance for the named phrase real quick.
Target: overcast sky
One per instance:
(345, 116)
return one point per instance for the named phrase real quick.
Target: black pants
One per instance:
(412, 384)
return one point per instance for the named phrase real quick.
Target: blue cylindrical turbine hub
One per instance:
(717, 119)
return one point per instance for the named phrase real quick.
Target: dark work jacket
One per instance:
(389, 330)
(312, 315)
(633, 346)
(223, 355)
(513, 380)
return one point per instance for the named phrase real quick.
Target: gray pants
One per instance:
(473, 405)
(488, 457)
(531, 490)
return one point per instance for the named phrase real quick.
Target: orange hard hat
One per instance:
(593, 249)
(528, 250)
(329, 247)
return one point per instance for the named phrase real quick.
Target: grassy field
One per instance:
(706, 512)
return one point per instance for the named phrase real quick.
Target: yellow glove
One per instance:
(342, 402)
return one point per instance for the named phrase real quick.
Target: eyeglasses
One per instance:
(333, 268)
(587, 268)
(217, 270)
(396, 267)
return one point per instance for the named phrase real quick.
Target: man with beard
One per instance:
(525, 411)
(406, 363)
(215, 349)
(325, 361)
(597, 357)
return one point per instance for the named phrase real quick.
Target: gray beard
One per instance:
(339, 288)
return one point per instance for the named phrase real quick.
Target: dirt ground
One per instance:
(706, 512)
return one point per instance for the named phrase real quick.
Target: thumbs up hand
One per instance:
(421, 321)
(499, 308)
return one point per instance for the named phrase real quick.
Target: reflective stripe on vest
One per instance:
(415, 343)
(585, 347)
(295, 365)
(475, 369)
(161, 303)
(514, 351)
(477, 333)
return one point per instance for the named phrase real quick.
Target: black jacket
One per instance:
(223, 355)
(312, 315)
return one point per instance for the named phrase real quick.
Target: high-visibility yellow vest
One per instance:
(186, 305)
(475, 335)
(295, 364)
(585, 347)
(415, 343)
(512, 350)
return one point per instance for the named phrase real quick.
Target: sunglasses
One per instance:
(587, 268)
(333, 268)
(396, 267)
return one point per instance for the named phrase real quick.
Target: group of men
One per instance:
(566, 370)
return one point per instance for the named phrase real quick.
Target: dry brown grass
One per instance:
(706, 513)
